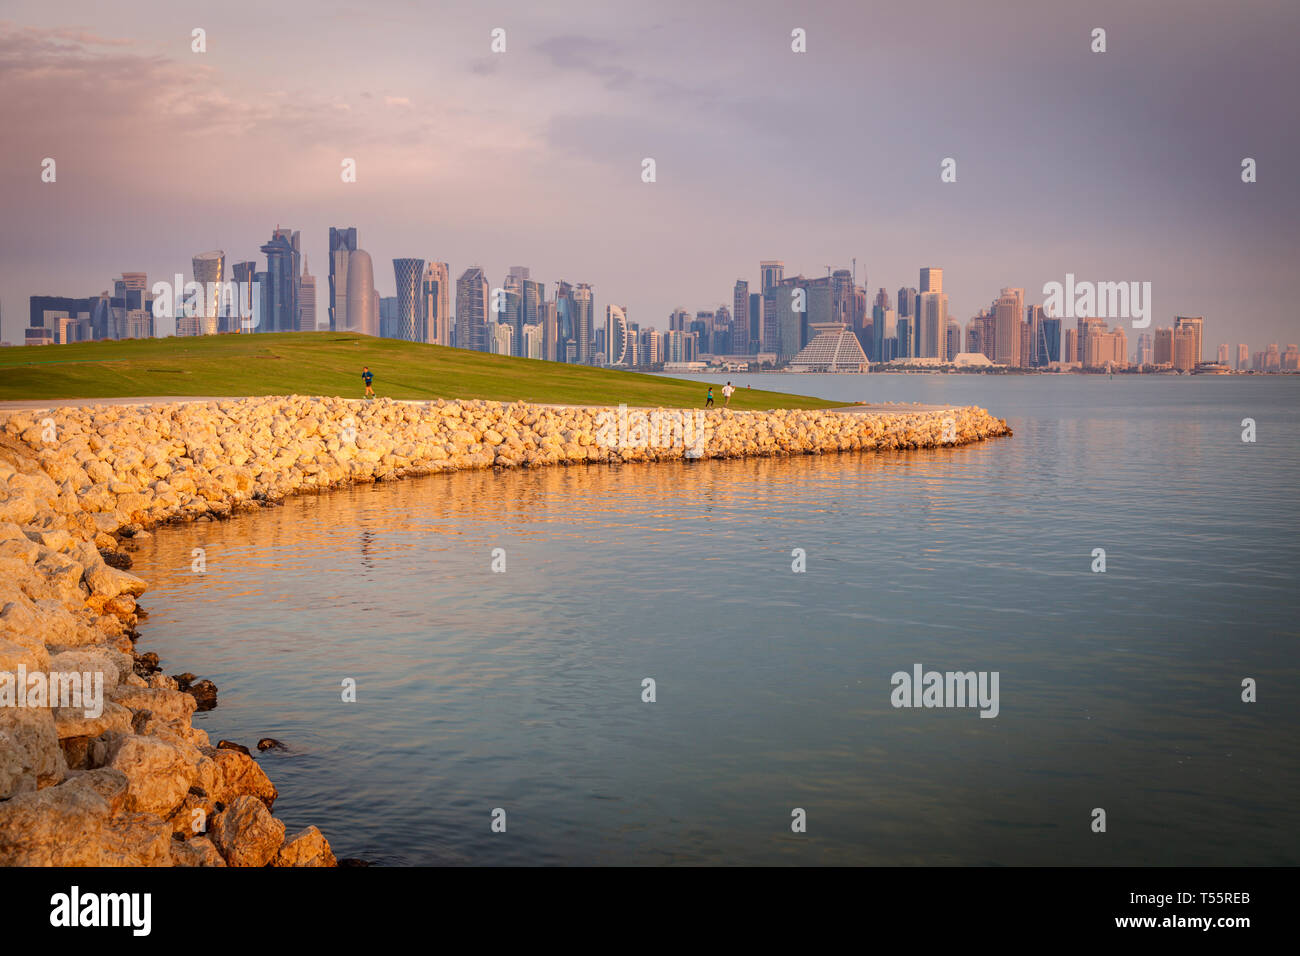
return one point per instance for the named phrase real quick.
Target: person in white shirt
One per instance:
(727, 391)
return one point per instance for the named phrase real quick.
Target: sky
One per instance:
(1115, 166)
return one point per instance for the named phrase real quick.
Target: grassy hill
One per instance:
(329, 363)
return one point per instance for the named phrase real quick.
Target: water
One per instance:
(522, 690)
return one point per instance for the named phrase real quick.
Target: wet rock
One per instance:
(230, 745)
(204, 693)
(146, 664)
(306, 848)
(117, 559)
(183, 681)
(246, 834)
(270, 743)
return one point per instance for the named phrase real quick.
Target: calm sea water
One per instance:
(522, 690)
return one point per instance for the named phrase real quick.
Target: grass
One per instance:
(329, 363)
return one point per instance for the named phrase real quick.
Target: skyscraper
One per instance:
(283, 272)
(1006, 327)
(209, 272)
(1195, 324)
(584, 322)
(772, 272)
(932, 319)
(435, 295)
(564, 328)
(408, 324)
(740, 320)
(472, 310)
(343, 242)
(616, 334)
(1243, 356)
(306, 300)
(1222, 357)
(931, 279)
(362, 313)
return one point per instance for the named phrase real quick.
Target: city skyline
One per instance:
(535, 154)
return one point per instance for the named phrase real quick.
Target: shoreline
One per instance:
(138, 784)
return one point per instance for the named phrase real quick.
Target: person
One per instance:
(368, 376)
(727, 391)
(708, 399)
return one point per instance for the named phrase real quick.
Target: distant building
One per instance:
(435, 303)
(362, 313)
(616, 337)
(343, 242)
(1196, 324)
(408, 323)
(209, 272)
(283, 271)
(831, 351)
(740, 302)
(306, 300)
(472, 310)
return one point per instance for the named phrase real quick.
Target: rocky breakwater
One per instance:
(130, 780)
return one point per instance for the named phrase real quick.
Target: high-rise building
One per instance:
(240, 317)
(931, 279)
(343, 242)
(500, 338)
(772, 272)
(1146, 349)
(362, 313)
(473, 310)
(1105, 349)
(435, 303)
(678, 320)
(1187, 341)
(584, 322)
(616, 337)
(1006, 327)
(1197, 326)
(283, 273)
(740, 301)
(1071, 346)
(306, 300)
(532, 347)
(1243, 356)
(1164, 346)
(566, 333)
(1222, 357)
(408, 324)
(209, 273)
(932, 319)
(549, 331)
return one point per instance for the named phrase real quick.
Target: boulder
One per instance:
(246, 834)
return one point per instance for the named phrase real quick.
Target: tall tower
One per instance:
(409, 274)
(209, 271)
(584, 322)
(363, 300)
(472, 310)
(283, 269)
(1196, 325)
(343, 242)
(616, 334)
(435, 304)
(306, 300)
(740, 318)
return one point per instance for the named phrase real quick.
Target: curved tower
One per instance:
(363, 316)
(409, 274)
(208, 272)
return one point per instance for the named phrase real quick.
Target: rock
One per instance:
(158, 772)
(183, 681)
(117, 559)
(236, 774)
(30, 756)
(246, 834)
(204, 693)
(146, 664)
(270, 743)
(196, 851)
(228, 745)
(306, 848)
(81, 823)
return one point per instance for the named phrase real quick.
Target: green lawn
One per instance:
(329, 363)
